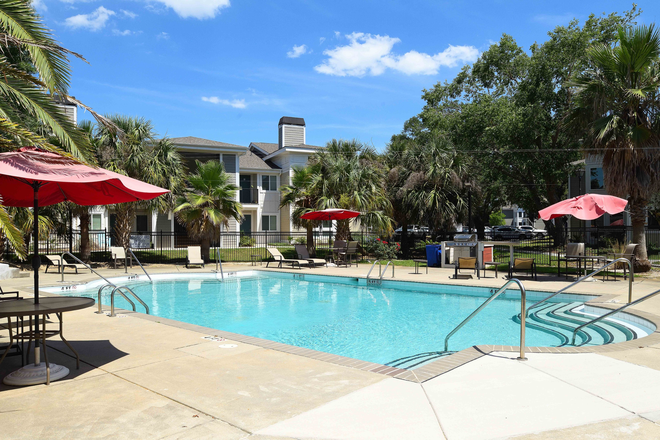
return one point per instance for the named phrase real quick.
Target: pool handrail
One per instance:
(579, 280)
(523, 297)
(119, 289)
(84, 264)
(100, 310)
(218, 262)
(625, 306)
(381, 275)
(372, 268)
(138, 262)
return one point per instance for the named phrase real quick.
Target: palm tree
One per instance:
(617, 104)
(140, 155)
(302, 195)
(208, 204)
(350, 176)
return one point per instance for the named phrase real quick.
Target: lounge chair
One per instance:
(346, 257)
(466, 263)
(278, 257)
(523, 265)
(56, 261)
(118, 253)
(628, 254)
(195, 256)
(303, 254)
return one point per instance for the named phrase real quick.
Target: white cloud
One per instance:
(163, 36)
(124, 33)
(321, 40)
(128, 14)
(200, 9)
(337, 34)
(39, 5)
(297, 51)
(236, 103)
(93, 21)
(372, 55)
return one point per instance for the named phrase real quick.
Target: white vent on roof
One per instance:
(291, 132)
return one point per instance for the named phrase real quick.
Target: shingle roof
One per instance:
(191, 140)
(266, 146)
(252, 161)
(289, 120)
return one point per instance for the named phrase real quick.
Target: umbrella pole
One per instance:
(36, 264)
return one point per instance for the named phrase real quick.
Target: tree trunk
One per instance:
(123, 222)
(310, 240)
(206, 249)
(638, 218)
(343, 230)
(405, 242)
(85, 249)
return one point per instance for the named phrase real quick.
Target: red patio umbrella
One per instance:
(330, 214)
(34, 177)
(585, 207)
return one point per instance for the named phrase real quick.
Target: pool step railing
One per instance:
(130, 251)
(122, 291)
(523, 299)
(410, 362)
(218, 263)
(84, 264)
(579, 280)
(613, 312)
(381, 273)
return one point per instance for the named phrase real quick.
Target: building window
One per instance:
(269, 223)
(269, 183)
(96, 222)
(141, 223)
(597, 181)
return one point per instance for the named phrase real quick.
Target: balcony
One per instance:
(249, 196)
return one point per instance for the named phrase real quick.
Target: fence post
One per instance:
(161, 247)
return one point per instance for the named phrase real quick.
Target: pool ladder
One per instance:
(381, 273)
(122, 290)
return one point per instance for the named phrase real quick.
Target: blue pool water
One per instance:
(336, 315)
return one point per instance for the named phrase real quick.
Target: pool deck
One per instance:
(145, 377)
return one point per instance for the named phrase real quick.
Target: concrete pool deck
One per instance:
(147, 378)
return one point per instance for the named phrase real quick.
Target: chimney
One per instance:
(291, 131)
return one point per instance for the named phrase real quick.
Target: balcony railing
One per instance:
(249, 195)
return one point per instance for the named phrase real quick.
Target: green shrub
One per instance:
(300, 240)
(496, 218)
(247, 241)
(382, 249)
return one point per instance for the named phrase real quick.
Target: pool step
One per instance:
(417, 360)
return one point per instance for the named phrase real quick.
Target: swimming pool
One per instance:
(344, 316)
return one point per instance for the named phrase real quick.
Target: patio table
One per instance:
(27, 308)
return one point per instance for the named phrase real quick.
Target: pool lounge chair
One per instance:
(279, 258)
(194, 257)
(118, 253)
(303, 254)
(523, 265)
(56, 261)
(465, 263)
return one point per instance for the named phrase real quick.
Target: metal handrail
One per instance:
(523, 298)
(138, 262)
(83, 263)
(119, 289)
(100, 310)
(579, 280)
(650, 295)
(385, 270)
(218, 262)
(372, 268)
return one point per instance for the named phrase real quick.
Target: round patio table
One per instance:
(33, 374)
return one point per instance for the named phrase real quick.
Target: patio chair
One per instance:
(303, 254)
(17, 346)
(628, 254)
(194, 257)
(466, 263)
(60, 264)
(573, 250)
(346, 257)
(523, 265)
(118, 253)
(278, 257)
(339, 246)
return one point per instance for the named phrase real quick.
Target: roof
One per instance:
(288, 120)
(191, 140)
(251, 161)
(267, 147)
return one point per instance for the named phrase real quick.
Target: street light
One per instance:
(469, 186)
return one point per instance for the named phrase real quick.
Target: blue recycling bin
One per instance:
(433, 255)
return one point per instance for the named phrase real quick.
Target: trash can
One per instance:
(433, 254)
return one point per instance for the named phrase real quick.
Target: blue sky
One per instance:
(227, 70)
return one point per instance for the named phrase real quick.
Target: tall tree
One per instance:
(618, 106)
(209, 203)
(303, 196)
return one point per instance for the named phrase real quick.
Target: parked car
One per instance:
(414, 231)
(534, 231)
(510, 233)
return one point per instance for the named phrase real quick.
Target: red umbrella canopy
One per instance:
(60, 179)
(330, 214)
(585, 207)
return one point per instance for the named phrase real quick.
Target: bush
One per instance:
(300, 240)
(247, 241)
(496, 218)
(382, 249)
